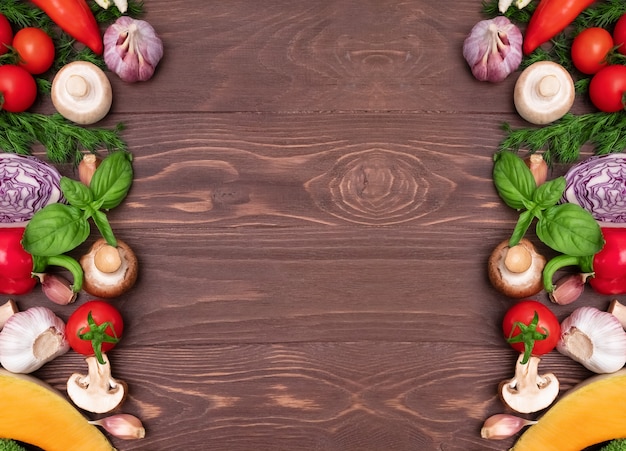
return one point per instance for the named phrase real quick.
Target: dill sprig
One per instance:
(562, 140)
(64, 141)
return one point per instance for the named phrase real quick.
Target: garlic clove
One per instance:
(7, 310)
(30, 339)
(593, 338)
(57, 289)
(123, 426)
(502, 426)
(568, 288)
(87, 167)
(538, 168)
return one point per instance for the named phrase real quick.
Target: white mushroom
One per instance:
(81, 92)
(527, 391)
(97, 391)
(544, 92)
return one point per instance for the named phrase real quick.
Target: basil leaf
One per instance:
(101, 221)
(55, 230)
(571, 230)
(112, 180)
(549, 193)
(513, 179)
(523, 223)
(76, 193)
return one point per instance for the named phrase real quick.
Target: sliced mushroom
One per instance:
(516, 271)
(98, 391)
(527, 391)
(81, 92)
(109, 271)
(544, 92)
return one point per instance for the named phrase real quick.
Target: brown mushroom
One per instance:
(516, 271)
(528, 391)
(81, 92)
(109, 271)
(544, 92)
(98, 391)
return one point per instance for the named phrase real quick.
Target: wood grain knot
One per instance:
(379, 187)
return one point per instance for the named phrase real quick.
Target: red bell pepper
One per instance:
(607, 267)
(76, 19)
(18, 267)
(549, 19)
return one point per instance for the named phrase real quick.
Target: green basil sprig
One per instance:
(60, 228)
(566, 228)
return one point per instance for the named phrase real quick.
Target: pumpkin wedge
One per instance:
(592, 412)
(33, 412)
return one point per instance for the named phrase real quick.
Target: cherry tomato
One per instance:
(93, 328)
(18, 89)
(607, 88)
(619, 35)
(35, 49)
(6, 34)
(531, 328)
(590, 48)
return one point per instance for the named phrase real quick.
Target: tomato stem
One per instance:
(528, 335)
(97, 335)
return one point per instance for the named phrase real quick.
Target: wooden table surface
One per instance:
(313, 210)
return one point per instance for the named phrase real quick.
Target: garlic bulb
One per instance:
(30, 339)
(493, 49)
(595, 339)
(132, 49)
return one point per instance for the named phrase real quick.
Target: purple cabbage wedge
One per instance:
(27, 184)
(598, 184)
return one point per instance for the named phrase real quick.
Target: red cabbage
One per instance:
(598, 184)
(27, 184)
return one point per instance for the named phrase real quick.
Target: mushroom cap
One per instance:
(81, 92)
(516, 285)
(109, 285)
(544, 92)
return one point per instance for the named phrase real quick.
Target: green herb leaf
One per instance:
(513, 180)
(55, 230)
(549, 193)
(523, 223)
(102, 223)
(112, 180)
(76, 193)
(570, 229)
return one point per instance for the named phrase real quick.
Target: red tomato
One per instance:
(6, 34)
(531, 328)
(619, 35)
(35, 49)
(18, 89)
(607, 88)
(94, 327)
(590, 48)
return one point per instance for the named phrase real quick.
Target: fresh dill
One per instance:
(64, 141)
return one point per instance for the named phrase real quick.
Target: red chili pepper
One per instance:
(549, 19)
(607, 267)
(76, 19)
(18, 267)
